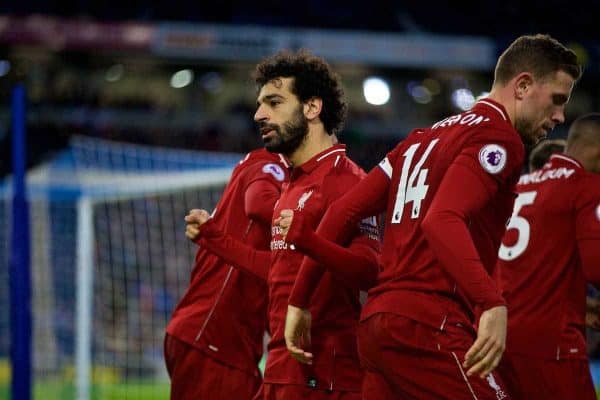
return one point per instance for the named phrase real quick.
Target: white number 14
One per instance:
(412, 188)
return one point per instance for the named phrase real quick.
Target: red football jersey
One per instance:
(336, 307)
(544, 256)
(449, 191)
(416, 282)
(223, 312)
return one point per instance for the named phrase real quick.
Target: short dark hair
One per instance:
(542, 152)
(539, 54)
(312, 77)
(586, 128)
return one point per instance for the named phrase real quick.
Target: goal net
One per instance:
(109, 260)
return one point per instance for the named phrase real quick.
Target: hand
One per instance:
(195, 219)
(592, 313)
(485, 354)
(297, 333)
(284, 221)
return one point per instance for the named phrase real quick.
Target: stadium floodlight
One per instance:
(463, 98)
(181, 79)
(483, 94)
(376, 91)
(114, 73)
(419, 93)
(4, 67)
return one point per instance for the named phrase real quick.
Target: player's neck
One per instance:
(505, 97)
(317, 140)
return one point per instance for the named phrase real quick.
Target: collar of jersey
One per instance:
(328, 154)
(565, 159)
(497, 107)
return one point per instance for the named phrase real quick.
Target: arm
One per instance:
(259, 200)
(446, 231)
(367, 198)
(445, 227)
(235, 252)
(356, 265)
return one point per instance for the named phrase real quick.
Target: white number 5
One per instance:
(519, 223)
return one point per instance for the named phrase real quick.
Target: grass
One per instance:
(107, 389)
(54, 390)
(122, 391)
(106, 386)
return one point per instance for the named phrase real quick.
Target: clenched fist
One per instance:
(194, 220)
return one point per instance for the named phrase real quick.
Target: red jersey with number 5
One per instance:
(548, 251)
(440, 273)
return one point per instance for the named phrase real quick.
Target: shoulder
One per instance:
(588, 185)
(343, 174)
(264, 156)
(263, 164)
(497, 149)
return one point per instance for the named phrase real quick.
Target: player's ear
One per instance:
(522, 84)
(312, 108)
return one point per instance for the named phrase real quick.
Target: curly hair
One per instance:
(539, 54)
(312, 77)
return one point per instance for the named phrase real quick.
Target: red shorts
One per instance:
(405, 359)
(533, 378)
(196, 376)
(270, 391)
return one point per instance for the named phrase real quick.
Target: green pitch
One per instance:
(64, 389)
(129, 391)
(122, 391)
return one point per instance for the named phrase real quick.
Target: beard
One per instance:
(527, 132)
(288, 138)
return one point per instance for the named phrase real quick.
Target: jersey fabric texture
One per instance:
(447, 191)
(336, 307)
(541, 269)
(549, 253)
(223, 312)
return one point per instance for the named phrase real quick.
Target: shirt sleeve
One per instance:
(259, 200)
(445, 228)
(234, 252)
(357, 264)
(366, 198)
(588, 229)
(493, 153)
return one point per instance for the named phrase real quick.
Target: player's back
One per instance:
(413, 283)
(539, 268)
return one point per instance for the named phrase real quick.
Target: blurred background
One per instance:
(120, 92)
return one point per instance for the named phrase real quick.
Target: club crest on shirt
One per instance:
(492, 158)
(302, 200)
(274, 170)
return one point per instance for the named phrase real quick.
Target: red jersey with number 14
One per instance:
(442, 281)
(541, 265)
